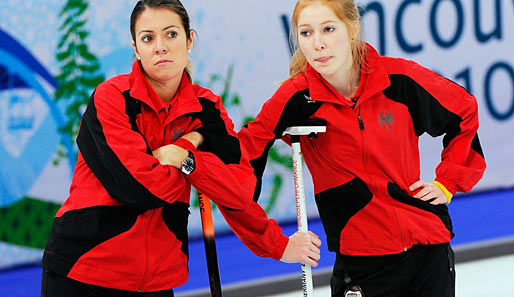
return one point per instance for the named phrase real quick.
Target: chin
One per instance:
(167, 75)
(324, 71)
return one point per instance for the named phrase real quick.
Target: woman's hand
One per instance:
(171, 155)
(302, 248)
(174, 155)
(429, 192)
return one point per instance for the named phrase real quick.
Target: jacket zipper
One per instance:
(143, 279)
(364, 151)
(361, 123)
(165, 126)
(361, 126)
(401, 229)
(164, 135)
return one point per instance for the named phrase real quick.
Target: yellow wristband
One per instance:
(445, 191)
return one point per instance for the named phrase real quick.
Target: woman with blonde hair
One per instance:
(389, 229)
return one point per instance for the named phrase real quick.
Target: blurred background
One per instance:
(54, 52)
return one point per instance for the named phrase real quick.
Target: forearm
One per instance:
(174, 154)
(229, 185)
(263, 236)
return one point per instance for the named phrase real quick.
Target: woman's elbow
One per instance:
(246, 193)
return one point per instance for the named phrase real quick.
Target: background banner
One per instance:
(52, 57)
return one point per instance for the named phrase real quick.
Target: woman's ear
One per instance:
(135, 50)
(190, 40)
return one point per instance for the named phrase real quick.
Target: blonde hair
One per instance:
(346, 11)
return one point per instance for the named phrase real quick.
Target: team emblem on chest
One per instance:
(386, 119)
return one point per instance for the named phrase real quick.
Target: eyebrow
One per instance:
(325, 22)
(151, 31)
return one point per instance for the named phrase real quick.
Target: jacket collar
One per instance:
(184, 101)
(374, 76)
(373, 79)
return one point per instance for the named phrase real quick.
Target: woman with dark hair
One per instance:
(123, 229)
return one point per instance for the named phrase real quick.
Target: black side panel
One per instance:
(258, 166)
(297, 108)
(176, 216)
(475, 145)
(106, 166)
(78, 231)
(217, 140)
(337, 205)
(427, 114)
(439, 210)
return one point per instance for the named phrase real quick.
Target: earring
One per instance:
(189, 50)
(138, 57)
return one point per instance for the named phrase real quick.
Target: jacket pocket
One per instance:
(440, 210)
(337, 205)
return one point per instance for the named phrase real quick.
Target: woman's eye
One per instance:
(146, 38)
(172, 34)
(305, 33)
(329, 29)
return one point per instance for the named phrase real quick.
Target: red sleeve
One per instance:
(462, 161)
(223, 171)
(229, 185)
(119, 156)
(287, 106)
(261, 235)
(445, 108)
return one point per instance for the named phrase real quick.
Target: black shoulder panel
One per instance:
(427, 114)
(106, 166)
(217, 140)
(298, 107)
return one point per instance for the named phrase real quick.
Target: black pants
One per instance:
(55, 285)
(422, 271)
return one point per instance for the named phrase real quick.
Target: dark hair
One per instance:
(174, 5)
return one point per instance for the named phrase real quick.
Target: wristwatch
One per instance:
(188, 165)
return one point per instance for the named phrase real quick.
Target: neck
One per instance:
(346, 83)
(165, 90)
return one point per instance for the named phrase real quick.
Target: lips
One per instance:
(323, 59)
(162, 62)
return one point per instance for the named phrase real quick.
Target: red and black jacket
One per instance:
(124, 225)
(363, 165)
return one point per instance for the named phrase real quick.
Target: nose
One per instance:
(318, 43)
(160, 47)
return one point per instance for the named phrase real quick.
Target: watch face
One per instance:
(188, 165)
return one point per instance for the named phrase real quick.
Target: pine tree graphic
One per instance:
(79, 68)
